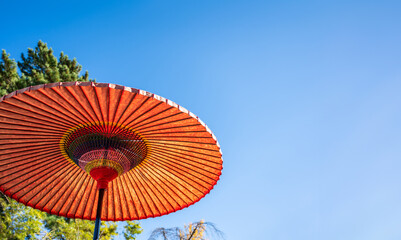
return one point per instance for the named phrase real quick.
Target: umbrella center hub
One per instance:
(103, 150)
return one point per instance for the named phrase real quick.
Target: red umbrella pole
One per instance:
(98, 214)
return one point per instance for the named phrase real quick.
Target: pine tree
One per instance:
(8, 74)
(38, 66)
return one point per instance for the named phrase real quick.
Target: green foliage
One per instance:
(132, 229)
(18, 222)
(66, 228)
(38, 66)
(8, 74)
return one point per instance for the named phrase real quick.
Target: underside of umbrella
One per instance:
(62, 142)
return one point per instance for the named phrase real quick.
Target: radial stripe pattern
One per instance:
(180, 159)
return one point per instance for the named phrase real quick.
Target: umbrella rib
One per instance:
(86, 117)
(65, 184)
(159, 161)
(155, 188)
(177, 175)
(35, 176)
(118, 200)
(170, 128)
(78, 174)
(121, 193)
(188, 164)
(117, 103)
(36, 145)
(161, 134)
(46, 119)
(126, 107)
(182, 147)
(142, 200)
(29, 143)
(77, 188)
(144, 125)
(152, 200)
(159, 147)
(162, 175)
(21, 127)
(108, 104)
(19, 141)
(51, 115)
(176, 132)
(110, 211)
(186, 154)
(132, 112)
(157, 137)
(143, 114)
(142, 122)
(65, 101)
(105, 204)
(164, 123)
(93, 203)
(77, 200)
(90, 117)
(27, 136)
(98, 105)
(28, 116)
(23, 161)
(26, 149)
(26, 154)
(93, 199)
(187, 161)
(37, 166)
(89, 102)
(68, 118)
(55, 199)
(117, 106)
(26, 129)
(176, 135)
(85, 203)
(125, 192)
(167, 140)
(125, 176)
(202, 176)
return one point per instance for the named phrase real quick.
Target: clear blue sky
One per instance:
(303, 96)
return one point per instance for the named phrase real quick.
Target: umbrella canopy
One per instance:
(60, 142)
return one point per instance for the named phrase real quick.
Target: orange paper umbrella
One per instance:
(63, 144)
